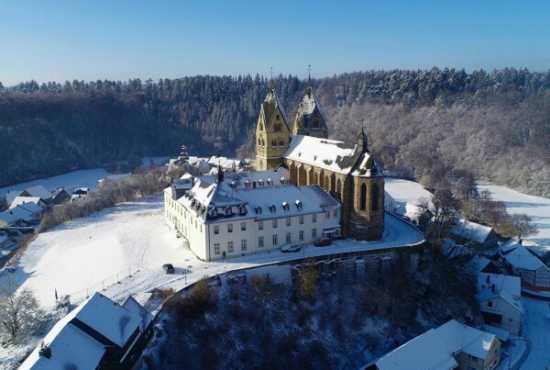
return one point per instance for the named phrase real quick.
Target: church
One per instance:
(348, 172)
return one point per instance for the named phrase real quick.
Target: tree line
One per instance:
(422, 124)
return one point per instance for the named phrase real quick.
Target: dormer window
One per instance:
(269, 182)
(242, 209)
(228, 211)
(261, 182)
(286, 206)
(259, 210)
(247, 183)
(215, 212)
(272, 208)
(299, 205)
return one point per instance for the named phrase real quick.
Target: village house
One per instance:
(474, 235)
(98, 335)
(60, 195)
(238, 214)
(451, 346)
(20, 200)
(534, 274)
(27, 214)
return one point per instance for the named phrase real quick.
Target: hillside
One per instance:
(421, 124)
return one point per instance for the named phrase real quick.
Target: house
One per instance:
(534, 274)
(238, 214)
(12, 194)
(38, 191)
(5, 240)
(499, 298)
(22, 215)
(22, 200)
(227, 164)
(60, 195)
(451, 346)
(99, 334)
(475, 235)
(408, 200)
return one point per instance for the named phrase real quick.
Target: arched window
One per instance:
(339, 186)
(375, 196)
(363, 204)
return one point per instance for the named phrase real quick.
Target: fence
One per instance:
(117, 278)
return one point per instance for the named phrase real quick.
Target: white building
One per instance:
(238, 214)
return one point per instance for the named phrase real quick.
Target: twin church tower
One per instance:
(347, 172)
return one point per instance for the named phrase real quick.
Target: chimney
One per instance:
(220, 174)
(45, 351)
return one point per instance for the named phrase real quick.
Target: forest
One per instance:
(422, 124)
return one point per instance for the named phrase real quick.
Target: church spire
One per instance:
(362, 140)
(309, 80)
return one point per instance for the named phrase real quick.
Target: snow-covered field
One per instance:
(74, 179)
(405, 191)
(85, 255)
(535, 207)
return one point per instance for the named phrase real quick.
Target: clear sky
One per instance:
(58, 40)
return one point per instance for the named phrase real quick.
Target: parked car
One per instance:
(323, 242)
(168, 268)
(291, 248)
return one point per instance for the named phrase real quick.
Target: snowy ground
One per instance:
(536, 328)
(86, 255)
(535, 207)
(405, 191)
(75, 179)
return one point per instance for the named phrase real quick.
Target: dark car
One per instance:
(168, 268)
(323, 242)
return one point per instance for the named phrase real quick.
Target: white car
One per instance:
(291, 248)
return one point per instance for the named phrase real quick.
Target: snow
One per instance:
(404, 191)
(458, 337)
(511, 284)
(536, 327)
(74, 179)
(426, 351)
(21, 200)
(471, 230)
(332, 155)
(535, 207)
(86, 254)
(521, 258)
(39, 191)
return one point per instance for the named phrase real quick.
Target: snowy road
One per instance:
(86, 255)
(536, 327)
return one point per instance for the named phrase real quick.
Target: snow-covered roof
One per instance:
(70, 348)
(520, 258)
(471, 230)
(224, 162)
(31, 207)
(133, 306)
(366, 167)
(39, 191)
(511, 284)
(55, 192)
(404, 191)
(434, 349)
(425, 352)
(16, 214)
(332, 155)
(263, 194)
(458, 337)
(500, 333)
(20, 200)
(12, 194)
(111, 320)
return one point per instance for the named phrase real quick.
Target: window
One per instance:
(327, 214)
(272, 208)
(288, 237)
(200, 228)
(274, 239)
(313, 233)
(288, 221)
(228, 211)
(474, 358)
(274, 224)
(243, 244)
(335, 213)
(277, 127)
(301, 220)
(301, 236)
(243, 226)
(230, 247)
(216, 230)
(363, 204)
(490, 304)
(313, 218)
(277, 117)
(375, 196)
(217, 248)
(229, 228)
(261, 242)
(260, 225)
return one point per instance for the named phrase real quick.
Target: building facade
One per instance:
(347, 172)
(239, 214)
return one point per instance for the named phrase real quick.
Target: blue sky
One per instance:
(55, 40)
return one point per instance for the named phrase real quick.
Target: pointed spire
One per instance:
(362, 140)
(271, 78)
(309, 76)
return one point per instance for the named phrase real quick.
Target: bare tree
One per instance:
(20, 314)
(444, 214)
(522, 225)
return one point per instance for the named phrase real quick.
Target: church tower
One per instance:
(309, 119)
(272, 133)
